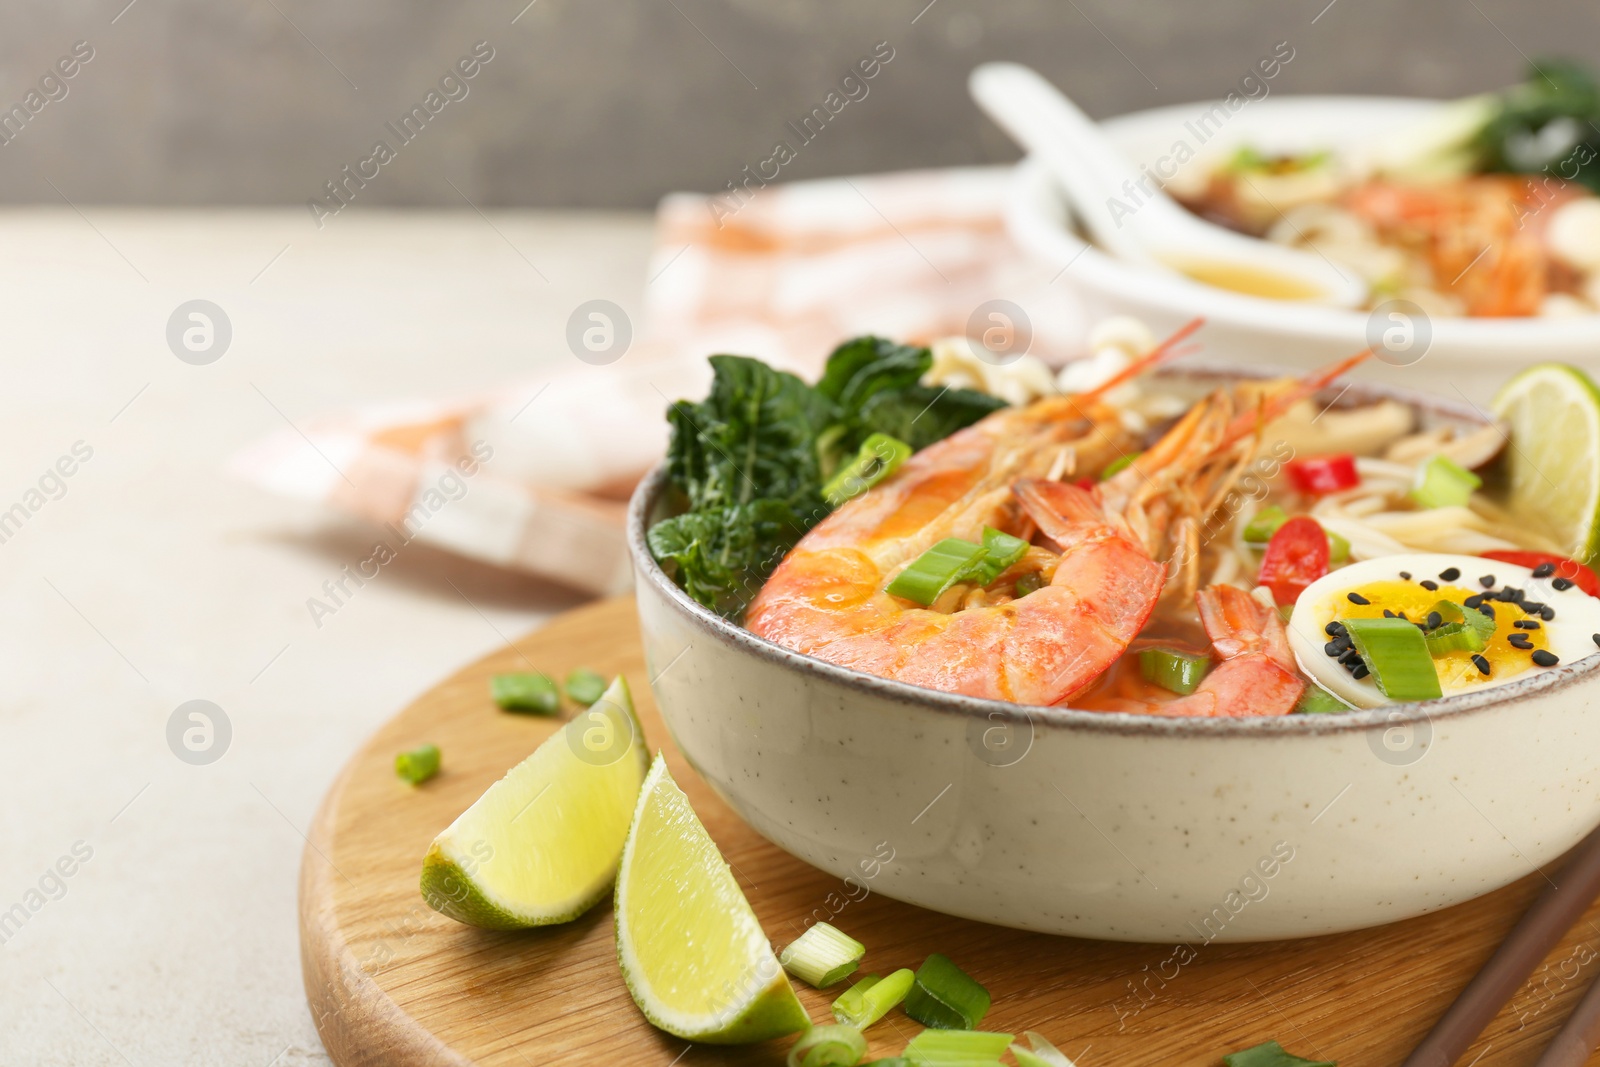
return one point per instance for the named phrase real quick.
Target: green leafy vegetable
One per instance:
(1547, 124)
(748, 464)
(1271, 1054)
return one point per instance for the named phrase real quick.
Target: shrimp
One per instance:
(1257, 676)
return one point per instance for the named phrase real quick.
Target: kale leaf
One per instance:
(722, 556)
(1548, 124)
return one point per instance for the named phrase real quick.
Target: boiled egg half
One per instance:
(1539, 623)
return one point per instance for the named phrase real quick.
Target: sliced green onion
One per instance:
(1441, 483)
(822, 956)
(1118, 465)
(871, 998)
(889, 1061)
(1000, 550)
(585, 686)
(1453, 637)
(1271, 1054)
(1264, 523)
(930, 574)
(526, 691)
(1397, 655)
(1318, 701)
(1450, 611)
(1028, 583)
(956, 1048)
(1173, 670)
(828, 1046)
(945, 998)
(418, 765)
(879, 456)
(1338, 547)
(1043, 1053)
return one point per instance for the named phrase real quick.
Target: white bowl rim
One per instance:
(1033, 228)
(645, 496)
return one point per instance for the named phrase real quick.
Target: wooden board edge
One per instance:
(359, 1024)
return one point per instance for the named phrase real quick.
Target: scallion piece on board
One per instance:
(1000, 550)
(871, 998)
(417, 765)
(1397, 655)
(1271, 1054)
(1318, 701)
(828, 1046)
(1441, 483)
(946, 563)
(1042, 1054)
(1118, 465)
(585, 686)
(1264, 523)
(956, 1048)
(526, 691)
(879, 456)
(1178, 672)
(822, 956)
(944, 997)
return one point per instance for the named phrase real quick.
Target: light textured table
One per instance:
(154, 579)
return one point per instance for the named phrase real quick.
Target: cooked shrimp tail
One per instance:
(1257, 675)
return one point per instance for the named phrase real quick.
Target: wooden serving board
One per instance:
(390, 982)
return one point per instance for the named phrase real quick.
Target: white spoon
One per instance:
(1128, 214)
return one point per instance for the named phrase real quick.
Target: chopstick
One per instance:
(1579, 1036)
(1530, 941)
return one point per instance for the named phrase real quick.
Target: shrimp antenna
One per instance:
(1249, 421)
(1146, 361)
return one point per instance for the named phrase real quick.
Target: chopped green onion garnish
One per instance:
(1028, 583)
(1463, 629)
(1443, 483)
(879, 456)
(871, 998)
(1450, 611)
(1338, 548)
(1000, 550)
(956, 1048)
(930, 574)
(1397, 655)
(889, 1061)
(1118, 465)
(828, 1046)
(1264, 523)
(1175, 671)
(1318, 701)
(1271, 1054)
(822, 956)
(526, 691)
(585, 686)
(418, 765)
(1043, 1053)
(945, 998)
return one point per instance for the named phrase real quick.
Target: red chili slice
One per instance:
(1296, 556)
(1577, 573)
(1323, 474)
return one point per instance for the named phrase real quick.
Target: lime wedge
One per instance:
(1553, 411)
(691, 950)
(542, 844)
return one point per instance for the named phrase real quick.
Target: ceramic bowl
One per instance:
(1472, 355)
(1125, 827)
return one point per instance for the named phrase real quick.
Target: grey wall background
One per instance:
(611, 104)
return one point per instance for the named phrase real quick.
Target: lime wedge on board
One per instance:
(542, 844)
(1553, 411)
(691, 949)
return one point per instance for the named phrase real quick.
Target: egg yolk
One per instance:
(1457, 668)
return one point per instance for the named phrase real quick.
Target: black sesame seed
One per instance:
(1522, 641)
(1350, 656)
(1450, 574)
(1473, 601)
(1480, 663)
(1334, 629)
(1544, 570)
(1561, 585)
(1487, 581)
(1531, 607)
(1402, 615)
(1545, 658)
(1596, 639)
(1359, 671)
(1525, 624)
(1389, 614)
(1547, 614)
(1434, 620)
(1357, 598)
(1332, 648)
(1510, 594)
(1428, 585)
(1406, 575)
(1487, 609)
